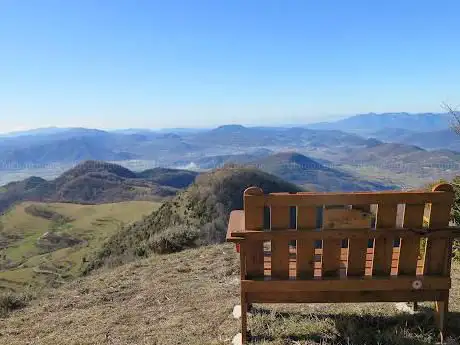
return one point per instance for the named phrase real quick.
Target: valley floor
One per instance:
(188, 297)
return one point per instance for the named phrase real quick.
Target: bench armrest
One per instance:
(235, 223)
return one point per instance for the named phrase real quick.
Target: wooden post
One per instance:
(254, 220)
(244, 318)
(252, 252)
(442, 309)
(439, 251)
(438, 255)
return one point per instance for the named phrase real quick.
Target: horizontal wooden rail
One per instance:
(357, 198)
(348, 284)
(323, 234)
(346, 296)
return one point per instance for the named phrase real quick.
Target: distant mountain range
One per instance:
(76, 145)
(370, 123)
(438, 139)
(402, 157)
(55, 130)
(360, 138)
(37, 131)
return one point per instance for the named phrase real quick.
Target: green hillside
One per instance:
(45, 244)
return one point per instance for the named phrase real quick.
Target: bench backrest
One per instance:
(308, 235)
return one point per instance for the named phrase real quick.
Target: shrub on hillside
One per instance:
(456, 208)
(10, 301)
(47, 213)
(174, 239)
(456, 250)
(456, 214)
(51, 241)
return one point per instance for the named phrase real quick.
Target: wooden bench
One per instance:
(345, 247)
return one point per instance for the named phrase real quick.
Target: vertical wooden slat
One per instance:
(383, 251)
(306, 219)
(358, 248)
(331, 258)
(332, 248)
(244, 304)
(410, 248)
(280, 219)
(439, 252)
(254, 220)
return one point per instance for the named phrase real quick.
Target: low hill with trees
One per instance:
(196, 216)
(96, 182)
(176, 178)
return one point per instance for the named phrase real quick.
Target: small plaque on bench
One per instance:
(336, 218)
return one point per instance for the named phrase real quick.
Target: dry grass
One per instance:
(184, 298)
(188, 297)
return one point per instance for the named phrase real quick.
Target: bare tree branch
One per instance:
(455, 123)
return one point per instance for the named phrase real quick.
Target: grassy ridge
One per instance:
(32, 241)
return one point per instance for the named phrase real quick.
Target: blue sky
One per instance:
(193, 63)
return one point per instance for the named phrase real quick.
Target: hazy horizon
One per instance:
(281, 124)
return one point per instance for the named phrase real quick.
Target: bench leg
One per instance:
(244, 319)
(442, 309)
